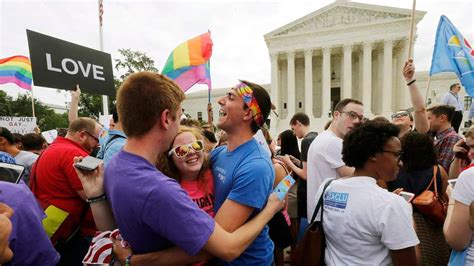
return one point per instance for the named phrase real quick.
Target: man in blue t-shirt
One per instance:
(243, 172)
(151, 210)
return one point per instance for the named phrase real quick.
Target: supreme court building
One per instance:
(343, 50)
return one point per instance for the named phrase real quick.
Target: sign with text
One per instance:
(60, 64)
(20, 125)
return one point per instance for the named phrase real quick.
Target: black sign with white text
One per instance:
(60, 64)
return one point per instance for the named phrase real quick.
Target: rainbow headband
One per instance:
(246, 93)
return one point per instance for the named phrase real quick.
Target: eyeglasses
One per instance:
(397, 154)
(182, 151)
(92, 136)
(353, 115)
(399, 115)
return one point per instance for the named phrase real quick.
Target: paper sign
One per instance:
(50, 135)
(262, 141)
(22, 125)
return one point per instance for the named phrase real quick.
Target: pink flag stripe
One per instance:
(18, 82)
(195, 75)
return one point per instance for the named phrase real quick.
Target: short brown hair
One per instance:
(470, 133)
(300, 117)
(344, 102)
(142, 98)
(83, 123)
(442, 110)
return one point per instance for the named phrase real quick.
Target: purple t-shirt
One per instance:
(152, 211)
(28, 240)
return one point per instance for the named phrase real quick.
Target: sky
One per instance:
(157, 27)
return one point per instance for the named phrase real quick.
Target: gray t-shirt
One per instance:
(27, 159)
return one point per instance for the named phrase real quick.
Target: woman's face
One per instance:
(191, 164)
(388, 161)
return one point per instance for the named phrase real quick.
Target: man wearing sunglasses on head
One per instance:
(403, 118)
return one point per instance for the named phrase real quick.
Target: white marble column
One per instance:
(367, 78)
(347, 82)
(275, 86)
(387, 77)
(326, 82)
(308, 83)
(404, 92)
(291, 83)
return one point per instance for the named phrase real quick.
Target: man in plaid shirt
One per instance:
(439, 118)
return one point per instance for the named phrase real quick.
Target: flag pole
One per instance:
(32, 102)
(412, 31)
(105, 99)
(427, 89)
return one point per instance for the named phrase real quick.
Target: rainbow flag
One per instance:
(453, 53)
(16, 69)
(188, 64)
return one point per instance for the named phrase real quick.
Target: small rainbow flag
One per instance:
(188, 64)
(16, 69)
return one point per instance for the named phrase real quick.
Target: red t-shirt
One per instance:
(57, 183)
(201, 194)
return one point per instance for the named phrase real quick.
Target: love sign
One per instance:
(60, 64)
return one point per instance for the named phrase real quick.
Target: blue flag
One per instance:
(453, 53)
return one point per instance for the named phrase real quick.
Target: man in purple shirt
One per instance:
(28, 240)
(151, 210)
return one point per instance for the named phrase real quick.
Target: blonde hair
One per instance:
(165, 164)
(470, 133)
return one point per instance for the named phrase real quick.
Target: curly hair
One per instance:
(418, 151)
(365, 141)
(165, 164)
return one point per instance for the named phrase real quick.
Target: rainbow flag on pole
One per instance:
(453, 53)
(188, 64)
(16, 69)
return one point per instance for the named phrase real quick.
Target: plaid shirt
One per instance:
(444, 143)
(6, 158)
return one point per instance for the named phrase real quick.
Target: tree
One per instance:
(46, 118)
(129, 62)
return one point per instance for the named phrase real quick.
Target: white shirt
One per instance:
(452, 100)
(324, 157)
(363, 222)
(464, 193)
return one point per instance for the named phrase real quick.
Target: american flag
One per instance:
(100, 249)
(101, 11)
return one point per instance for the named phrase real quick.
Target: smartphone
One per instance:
(88, 164)
(282, 188)
(11, 172)
(408, 196)
(452, 182)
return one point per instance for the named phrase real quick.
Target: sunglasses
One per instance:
(92, 136)
(399, 115)
(182, 151)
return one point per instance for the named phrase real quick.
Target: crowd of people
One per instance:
(181, 193)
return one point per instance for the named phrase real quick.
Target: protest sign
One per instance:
(60, 64)
(20, 125)
(50, 135)
(260, 138)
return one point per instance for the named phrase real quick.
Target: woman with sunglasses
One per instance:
(189, 165)
(365, 224)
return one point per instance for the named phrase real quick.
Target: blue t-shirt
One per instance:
(112, 144)
(151, 210)
(245, 175)
(28, 241)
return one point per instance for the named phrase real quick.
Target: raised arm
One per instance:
(74, 107)
(421, 121)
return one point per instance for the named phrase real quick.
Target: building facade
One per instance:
(343, 50)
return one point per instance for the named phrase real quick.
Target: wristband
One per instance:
(411, 82)
(97, 199)
(128, 259)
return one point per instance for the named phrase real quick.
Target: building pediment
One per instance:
(343, 15)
